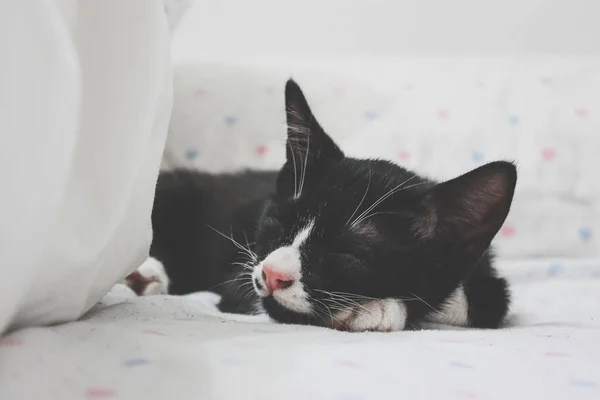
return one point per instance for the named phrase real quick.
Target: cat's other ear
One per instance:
(307, 143)
(466, 213)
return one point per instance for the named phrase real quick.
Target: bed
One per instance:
(159, 347)
(438, 115)
(162, 346)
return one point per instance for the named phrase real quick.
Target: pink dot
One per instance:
(10, 342)
(508, 231)
(581, 112)
(443, 113)
(549, 154)
(467, 394)
(557, 354)
(153, 332)
(261, 150)
(480, 84)
(99, 393)
(404, 155)
(338, 91)
(199, 92)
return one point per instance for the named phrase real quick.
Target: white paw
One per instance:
(386, 315)
(150, 278)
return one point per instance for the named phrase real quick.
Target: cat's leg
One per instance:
(489, 299)
(150, 278)
(384, 315)
(482, 301)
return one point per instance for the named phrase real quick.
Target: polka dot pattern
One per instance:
(135, 362)
(100, 393)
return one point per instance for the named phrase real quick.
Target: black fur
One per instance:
(424, 240)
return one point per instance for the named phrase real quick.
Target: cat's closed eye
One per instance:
(271, 230)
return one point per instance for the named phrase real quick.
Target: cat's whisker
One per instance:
(248, 294)
(384, 212)
(295, 171)
(381, 199)
(365, 215)
(340, 298)
(329, 310)
(363, 198)
(241, 277)
(247, 243)
(245, 265)
(305, 164)
(350, 308)
(351, 304)
(246, 286)
(346, 294)
(236, 243)
(320, 310)
(424, 302)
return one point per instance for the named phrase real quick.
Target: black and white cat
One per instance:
(335, 241)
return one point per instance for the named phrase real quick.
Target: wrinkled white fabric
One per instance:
(84, 109)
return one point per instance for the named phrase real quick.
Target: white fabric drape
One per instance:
(85, 102)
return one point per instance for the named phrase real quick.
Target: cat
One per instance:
(333, 241)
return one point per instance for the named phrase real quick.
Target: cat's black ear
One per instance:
(467, 212)
(307, 142)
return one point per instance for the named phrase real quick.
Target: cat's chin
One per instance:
(283, 315)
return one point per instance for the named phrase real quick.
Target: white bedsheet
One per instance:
(181, 347)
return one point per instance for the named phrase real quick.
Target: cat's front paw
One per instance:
(386, 315)
(149, 279)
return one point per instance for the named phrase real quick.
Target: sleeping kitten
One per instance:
(335, 241)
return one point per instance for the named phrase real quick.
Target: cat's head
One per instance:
(340, 231)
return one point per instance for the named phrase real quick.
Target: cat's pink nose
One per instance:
(276, 280)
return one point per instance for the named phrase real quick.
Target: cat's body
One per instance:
(335, 241)
(193, 211)
(193, 215)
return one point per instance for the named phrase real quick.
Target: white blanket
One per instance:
(162, 347)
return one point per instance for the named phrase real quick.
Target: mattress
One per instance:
(155, 347)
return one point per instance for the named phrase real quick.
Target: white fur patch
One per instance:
(454, 311)
(386, 315)
(153, 272)
(287, 260)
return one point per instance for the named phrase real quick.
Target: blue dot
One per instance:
(555, 269)
(583, 383)
(408, 86)
(477, 156)
(269, 90)
(191, 154)
(135, 362)
(514, 120)
(585, 234)
(370, 115)
(230, 120)
(546, 80)
(458, 364)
